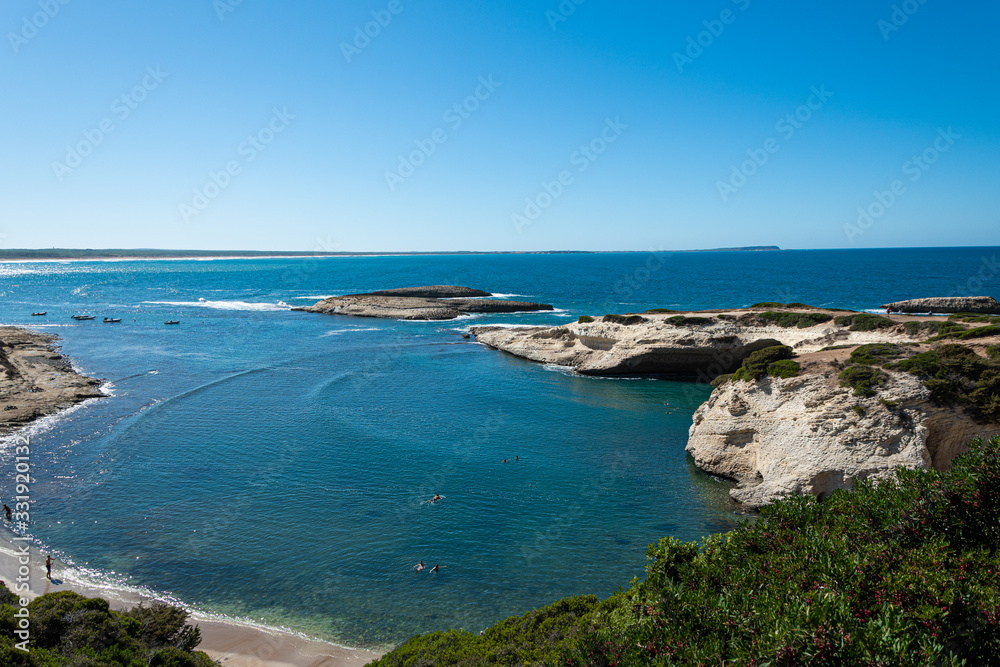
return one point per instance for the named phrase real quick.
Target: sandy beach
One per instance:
(36, 381)
(230, 643)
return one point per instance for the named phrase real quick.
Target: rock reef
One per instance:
(437, 302)
(35, 380)
(982, 305)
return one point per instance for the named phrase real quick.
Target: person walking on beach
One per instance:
(48, 567)
(6, 511)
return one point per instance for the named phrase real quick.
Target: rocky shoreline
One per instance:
(35, 380)
(433, 303)
(776, 436)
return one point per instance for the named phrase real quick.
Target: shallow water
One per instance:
(273, 465)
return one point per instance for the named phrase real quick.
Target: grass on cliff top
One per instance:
(974, 317)
(967, 334)
(626, 320)
(68, 629)
(800, 320)
(877, 354)
(863, 379)
(585, 319)
(864, 322)
(932, 328)
(772, 361)
(681, 321)
(956, 375)
(904, 573)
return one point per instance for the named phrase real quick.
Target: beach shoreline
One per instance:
(29, 361)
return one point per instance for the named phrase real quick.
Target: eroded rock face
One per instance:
(437, 302)
(985, 305)
(805, 435)
(657, 346)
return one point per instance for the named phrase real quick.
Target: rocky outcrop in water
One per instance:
(983, 305)
(438, 302)
(35, 380)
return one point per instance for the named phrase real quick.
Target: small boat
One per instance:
(41, 314)
(172, 322)
(112, 320)
(84, 318)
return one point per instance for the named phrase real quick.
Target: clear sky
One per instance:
(514, 125)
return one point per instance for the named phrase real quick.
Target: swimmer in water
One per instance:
(419, 566)
(435, 569)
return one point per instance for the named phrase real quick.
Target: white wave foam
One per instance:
(337, 332)
(225, 305)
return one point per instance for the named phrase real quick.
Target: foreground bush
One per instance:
(905, 573)
(69, 629)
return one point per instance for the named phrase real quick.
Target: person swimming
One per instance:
(419, 566)
(435, 569)
(436, 498)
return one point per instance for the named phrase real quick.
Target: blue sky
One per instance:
(594, 126)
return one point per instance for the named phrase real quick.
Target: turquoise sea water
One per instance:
(273, 465)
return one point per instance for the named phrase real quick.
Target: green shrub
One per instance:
(536, 638)
(70, 629)
(681, 321)
(973, 317)
(887, 403)
(955, 374)
(862, 379)
(626, 320)
(864, 322)
(721, 380)
(654, 311)
(800, 320)
(796, 304)
(902, 573)
(859, 410)
(993, 351)
(876, 354)
(836, 347)
(767, 304)
(784, 369)
(7, 597)
(932, 328)
(758, 364)
(967, 334)
(585, 319)
(726, 317)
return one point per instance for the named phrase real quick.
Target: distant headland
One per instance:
(63, 254)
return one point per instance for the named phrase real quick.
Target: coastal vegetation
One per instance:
(585, 319)
(775, 361)
(876, 354)
(793, 319)
(864, 322)
(862, 379)
(905, 572)
(932, 328)
(69, 629)
(682, 321)
(659, 311)
(977, 332)
(955, 374)
(625, 320)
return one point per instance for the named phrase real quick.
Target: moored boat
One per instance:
(41, 314)
(84, 318)
(112, 320)
(172, 322)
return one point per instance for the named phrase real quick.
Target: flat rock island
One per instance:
(435, 302)
(35, 380)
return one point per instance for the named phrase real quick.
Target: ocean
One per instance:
(270, 465)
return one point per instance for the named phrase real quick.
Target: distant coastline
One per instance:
(75, 254)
